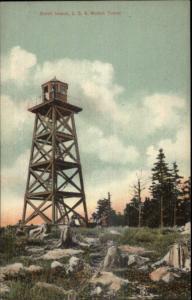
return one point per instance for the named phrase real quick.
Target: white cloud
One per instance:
(14, 118)
(16, 174)
(152, 113)
(175, 150)
(17, 65)
(107, 148)
(162, 111)
(92, 81)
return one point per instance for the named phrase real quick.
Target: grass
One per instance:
(23, 290)
(151, 239)
(12, 249)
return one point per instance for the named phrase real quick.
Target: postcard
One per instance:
(95, 150)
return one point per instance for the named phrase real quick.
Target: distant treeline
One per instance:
(168, 205)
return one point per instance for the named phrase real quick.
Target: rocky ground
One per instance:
(95, 263)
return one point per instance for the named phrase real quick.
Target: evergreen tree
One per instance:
(103, 212)
(131, 213)
(150, 213)
(184, 205)
(117, 219)
(176, 179)
(187, 189)
(161, 189)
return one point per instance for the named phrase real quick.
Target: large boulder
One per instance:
(163, 273)
(134, 250)
(12, 269)
(91, 241)
(75, 265)
(108, 279)
(115, 232)
(97, 291)
(134, 259)
(60, 253)
(33, 269)
(4, 289)
(158, 273)
(35, 251)
(186, 229)
(56, 265)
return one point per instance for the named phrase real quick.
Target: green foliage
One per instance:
(151, 239)
(131, 213)
(11, 246)
(103, 213)
(23, 290)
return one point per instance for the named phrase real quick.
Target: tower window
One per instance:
(46, 94)
(63, 91)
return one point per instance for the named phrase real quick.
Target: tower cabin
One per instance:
(54, 89)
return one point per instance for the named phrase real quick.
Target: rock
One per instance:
(75, 265)
(159, 273)
(39, 233)
(83, 245)
(144, 268)
(12, 269)
(134, 250)
(169, 277)
(34, 269)
(2, 277)
(49, 286)
(113, 282)
(187, 228)
(59, 253)
(136, 259)
(91, 241)
(177, 257)
(35, 250)
(19, 232)
(65, 240)
(163, 273)
(4, 289)
(56, 265)
(115, 232)
(97, 291)
(114, 258)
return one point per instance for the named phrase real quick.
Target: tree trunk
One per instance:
(161, 212)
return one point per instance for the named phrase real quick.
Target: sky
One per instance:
(127, 65)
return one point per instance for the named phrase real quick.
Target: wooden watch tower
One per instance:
(54, 188)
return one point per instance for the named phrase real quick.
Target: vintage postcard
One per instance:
(95, 150)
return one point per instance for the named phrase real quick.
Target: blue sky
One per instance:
(129, 71)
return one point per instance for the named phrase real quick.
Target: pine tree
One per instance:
(131, 212)
(150, 213)
(104, 211)
(184, 211)
(176, 179)
(161, 188)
